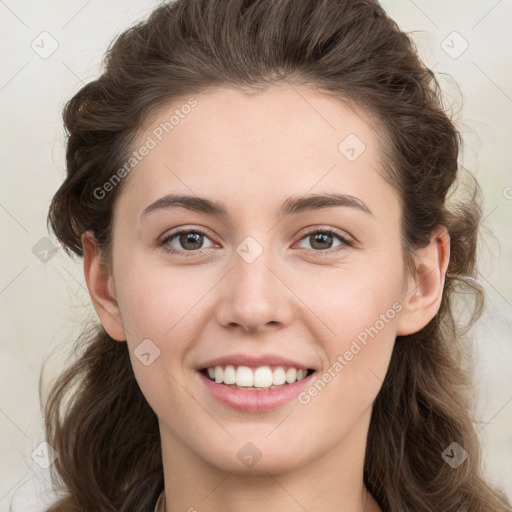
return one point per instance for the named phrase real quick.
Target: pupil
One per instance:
(193, 238)
(325, 238)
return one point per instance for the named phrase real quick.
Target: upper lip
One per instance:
(253, 361)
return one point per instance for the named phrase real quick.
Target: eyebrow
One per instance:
(292, 205)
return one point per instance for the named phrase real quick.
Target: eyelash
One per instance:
(164, 243)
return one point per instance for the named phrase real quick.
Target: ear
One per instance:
(425, 286)
(100, 284)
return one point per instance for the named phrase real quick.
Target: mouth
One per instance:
(252, 390)
(261, 378)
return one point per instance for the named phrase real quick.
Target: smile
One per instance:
(263, 377)
(253, 390)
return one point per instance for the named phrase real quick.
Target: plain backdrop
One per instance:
(49, 49)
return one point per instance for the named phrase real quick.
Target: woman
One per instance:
(260, 194)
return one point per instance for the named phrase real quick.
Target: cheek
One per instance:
(359, 357)
(359, 310)
(162, 305)
(349, 300)
(157, 308)
(158, 301)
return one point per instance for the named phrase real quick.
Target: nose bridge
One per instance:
(252, 276)
(254, 295)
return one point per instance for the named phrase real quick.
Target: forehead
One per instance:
(242, 147)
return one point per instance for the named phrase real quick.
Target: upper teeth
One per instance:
(262, 377)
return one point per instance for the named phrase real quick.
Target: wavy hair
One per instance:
(96, 417)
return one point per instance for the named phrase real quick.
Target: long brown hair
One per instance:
(97, 419)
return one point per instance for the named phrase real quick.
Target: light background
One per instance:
(42, 304)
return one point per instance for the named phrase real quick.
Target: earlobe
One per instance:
(100, 284)
(425, 292)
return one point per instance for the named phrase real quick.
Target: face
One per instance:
(274, 280)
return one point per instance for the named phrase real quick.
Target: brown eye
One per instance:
(185, 241)
(322, 240)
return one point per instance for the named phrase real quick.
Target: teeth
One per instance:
(278, 376)
(244, 376)
(229, 375)
(262, 378)
(291, 375)
(301, 374)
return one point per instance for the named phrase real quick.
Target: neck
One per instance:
(369, 504)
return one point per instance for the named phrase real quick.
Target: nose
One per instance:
(254, 295)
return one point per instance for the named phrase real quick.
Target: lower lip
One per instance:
(255, 401)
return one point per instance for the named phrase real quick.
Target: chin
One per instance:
(255, 458)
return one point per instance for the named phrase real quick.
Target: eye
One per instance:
(189, 240)
(322, 239)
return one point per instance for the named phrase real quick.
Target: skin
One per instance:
(251, 152)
